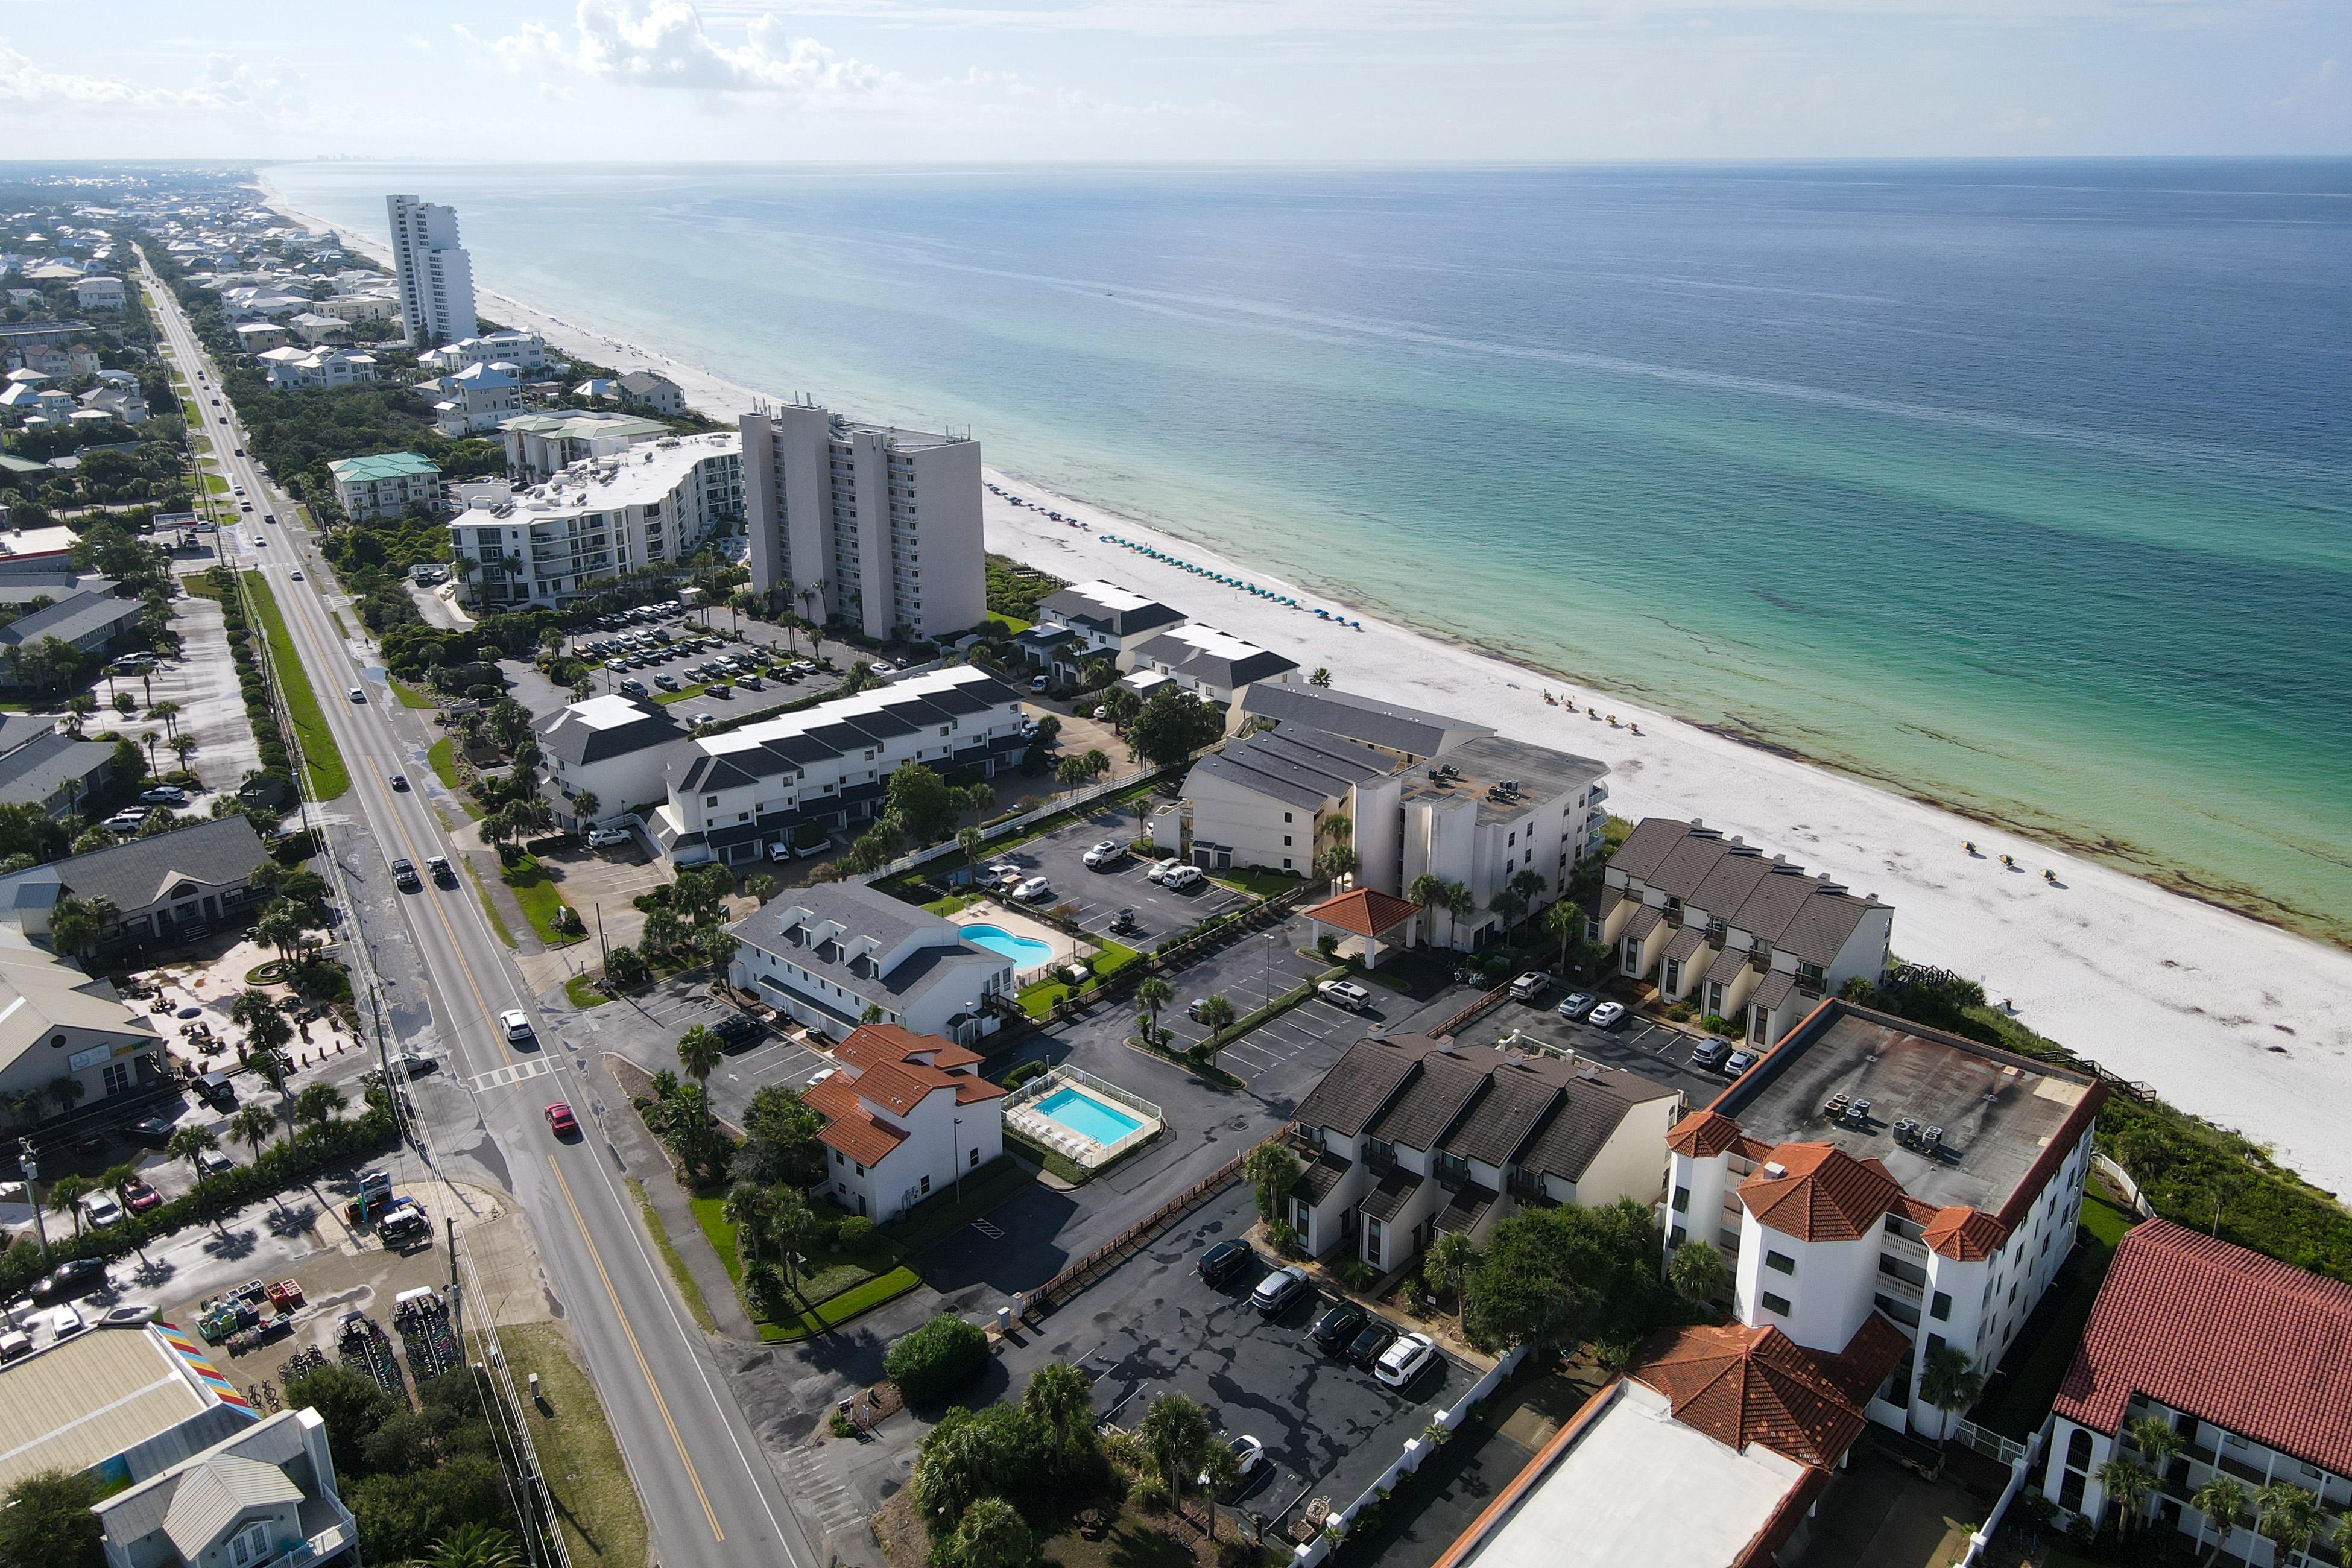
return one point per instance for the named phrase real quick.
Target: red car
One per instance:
(142, 1198)
(559, 1117)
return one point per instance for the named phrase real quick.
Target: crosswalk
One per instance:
(498, 1077)
(818, 1495)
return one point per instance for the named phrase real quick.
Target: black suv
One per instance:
(1336, 1329)
(1368, 1346)
(1226, 1262)
(404, 876)
(70, 1279)
(737, 1029)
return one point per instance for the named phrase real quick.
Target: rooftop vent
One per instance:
(1774, 1170)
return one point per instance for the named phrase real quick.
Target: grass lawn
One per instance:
(1037, 999)
(954, 903)
(442, 755)
(1112, 957)
(489, 908)
(321, 757)
(686, 1288)
(603, 1524)
(538, 898)
(840, 1284)
(216, 484)
(680, 695)
(409, 696)
(1256, 883)
(582, 991)
(200, 586)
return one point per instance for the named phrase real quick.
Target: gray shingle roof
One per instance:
(1076, 605)
(34, 772)
(1419, 1116)
(223, 852)
(1363, 719)
(776, 928)
(1294, 765)
(72, 620)
(1359, 1085)
(1808, 916)
(573, 740)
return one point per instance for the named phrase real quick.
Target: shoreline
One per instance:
(2161, 982)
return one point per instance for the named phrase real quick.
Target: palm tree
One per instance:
(254, 1126)
(78, 925)
(281, 927)
(584, 806)
(1175, 1433)
(475, 1546)
(65, 1092)
(66, 1194)
(751, 1208)
(1447, 1266)
(2222, 1501)
(1152, 995)
(117, 1179)
(699, 1052)
(972, 841)
(2128, 1484)
(191, 1143)
(2339, 1537)
(1060, 1400)
(1948, 1382)
(1565, 921)
(1219, 1014)
(169, 712)
(796, 1227)
(183, 746)
(318, 1104)
(663, 928)
(2287, 1515)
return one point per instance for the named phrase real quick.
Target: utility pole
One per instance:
(456, 1311)
(31, 1170)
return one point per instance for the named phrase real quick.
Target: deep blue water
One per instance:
(2019, 486)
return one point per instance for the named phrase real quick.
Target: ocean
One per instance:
(2017, 487)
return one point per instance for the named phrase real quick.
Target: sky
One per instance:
(1383, 81)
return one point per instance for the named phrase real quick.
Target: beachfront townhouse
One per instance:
(1750, 939)
(263, 1497)
(1868, 1166)
(478, 398)
(310, 370)
(1216, 667)
(2246, 1359)
(434, 273)
(638, 507)
(98, 292)
(612, 749)
(362, 307)
(1405, 734)
(865, 525)
(651, 391)
(1414, 1137)
(745, 794)
(261, 337)
(829, 954)
(519, 351)
(385, 484)
(1092, 620)
(321, 331)
(906, 1114)
(541, 446)
(1265, 799)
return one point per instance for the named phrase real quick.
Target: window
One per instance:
(1941, 1307)
(1285, 817)
(2069, 1492)
(1681, 1200)
(861, 1170)
(926, 1186)
(250, 1544)
(1780, 1262)
(1776, 1303)
(839, 1158)
(1285, 841)
(975, 1158)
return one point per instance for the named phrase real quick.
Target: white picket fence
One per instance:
(1008, 827)
(1417, 1451)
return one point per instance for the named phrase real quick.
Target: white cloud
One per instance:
(664, 45)
(226, 84)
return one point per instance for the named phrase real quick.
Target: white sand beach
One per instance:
(2238, 1022)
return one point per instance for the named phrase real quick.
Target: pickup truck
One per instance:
(442, 873)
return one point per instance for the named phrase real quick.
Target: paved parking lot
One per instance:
(1314, 1033)
(1659, 1054)
(1151, 1326)
(672, 1010)
(1060, 857)
(543, 697)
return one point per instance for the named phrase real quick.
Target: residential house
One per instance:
(825, 954)
(313, 369)
(906, 1114)
(869, 525)
(478, 397)
(518, 350)
(261, 1498)
(122, 1404)
(1866, 1164)
(1414, 1136)
(162, 889)
(615, 748)
(98, 292)
(1092, 620)
(1216, 667)
(385, 484)
(261, 337)
(317, 329)
(360, 307)
(2247, 1359)
(828, 767)
(607, 387)
(58, 1023)
(126, 404)
(1714, 1449)
(605, 515)
(650, 390)
(1753, 940)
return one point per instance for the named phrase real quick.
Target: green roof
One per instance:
(383, 465)
(577, 426)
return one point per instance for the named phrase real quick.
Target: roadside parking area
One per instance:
(769, 1057)
(1152, 1326)
(1659, 1054)
(1160, 912)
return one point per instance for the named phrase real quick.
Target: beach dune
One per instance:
(2242, 1022)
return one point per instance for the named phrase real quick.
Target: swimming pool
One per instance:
(1027, 952)
(1089, 1118)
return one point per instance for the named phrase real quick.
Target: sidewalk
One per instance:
(647, 1165)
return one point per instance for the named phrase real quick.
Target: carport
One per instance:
(1363, 920)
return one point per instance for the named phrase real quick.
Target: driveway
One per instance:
(1152, 1326)
(1059, 857)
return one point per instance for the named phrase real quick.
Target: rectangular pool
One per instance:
(1085, 1115)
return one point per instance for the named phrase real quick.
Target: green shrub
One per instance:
(1716, 1024)
(937, 1358)
(842, 1426)
(1024, 1073)
(855, 1232)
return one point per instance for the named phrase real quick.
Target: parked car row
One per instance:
(1343, 1331)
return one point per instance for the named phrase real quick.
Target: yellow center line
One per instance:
(635, 1349)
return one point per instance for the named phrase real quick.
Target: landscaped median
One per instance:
(322, 760)
(541, 905)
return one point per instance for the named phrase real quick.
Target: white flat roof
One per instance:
(641, 474)
(608, 713)
(1111, 596)
(1636, 1486)
(873, 699)
(1210, 640)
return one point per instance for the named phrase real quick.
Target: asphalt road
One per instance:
(710, 1496)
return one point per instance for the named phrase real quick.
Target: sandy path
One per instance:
(2236, 1020)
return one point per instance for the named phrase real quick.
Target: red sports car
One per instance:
(559, 1117)
(142, 1198)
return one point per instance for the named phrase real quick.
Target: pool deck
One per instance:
(1010, 921)
(1022, 1114)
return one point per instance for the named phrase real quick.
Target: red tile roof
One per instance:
(1822, 1194)
(1742, 1386)
(871, 1043)
(848, 1126)
(1704, 1134)
(1365, 912)
(2230, 1337)
(1964, 1234)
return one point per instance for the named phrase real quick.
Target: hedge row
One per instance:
(251, 682)
(282, 1165)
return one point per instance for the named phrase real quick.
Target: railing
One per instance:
(1465, 1019)
(1070, 1076)
(1991, 1445)
(1011, 825)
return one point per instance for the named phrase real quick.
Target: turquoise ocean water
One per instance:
(2019, 487)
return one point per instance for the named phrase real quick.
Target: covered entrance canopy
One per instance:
(1365, 919)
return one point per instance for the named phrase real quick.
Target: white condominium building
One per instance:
(523, 350)
(646, 506)
(866, 524)
(309, 369)
(541, 444)
(435, 275)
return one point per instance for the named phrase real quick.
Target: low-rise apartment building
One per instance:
(636, 508)
(99, 292)
(829, 954)
(613, 749)
(906, 1114)
(1414, 1136)
(1091, 620)
(1216, 667)
(736, 794)
(386, 484)
(358, 308)
(1407, 735)
(478, 398)
(2247, 1359)
(522, 350)
(261, 337)
(316, 329)
(541, 446)
(650, 390)
(1868, 1165)
(868, 525)
(312, 370)
(1750, 939)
